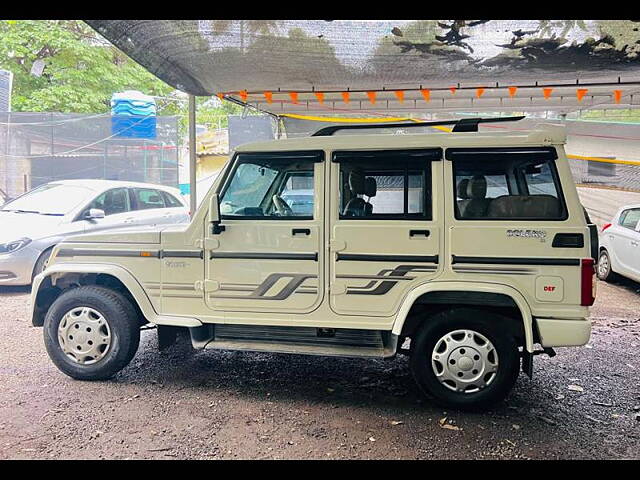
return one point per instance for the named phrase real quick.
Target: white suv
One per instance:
(620, 245)
(473, 246)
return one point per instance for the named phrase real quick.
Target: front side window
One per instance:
(112, 202)
(271, 186)
(385, 184)
(504, 184)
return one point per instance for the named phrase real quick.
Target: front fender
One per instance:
(128, 280)
(485, 287)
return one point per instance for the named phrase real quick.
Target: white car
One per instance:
(32, 224)
(620, 245)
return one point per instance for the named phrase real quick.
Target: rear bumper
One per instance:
(563, 332)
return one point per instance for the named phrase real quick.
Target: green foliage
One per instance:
(81, 70)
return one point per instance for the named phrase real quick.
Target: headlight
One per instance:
(11, 247)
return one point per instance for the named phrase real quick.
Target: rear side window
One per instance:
(630, 218)
(507, 184)
(170, 200)
(147, 198)
(386, 184)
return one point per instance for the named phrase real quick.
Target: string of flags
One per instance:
(547, 93)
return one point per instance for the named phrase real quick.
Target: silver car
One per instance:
(32, 224)
(620, 245)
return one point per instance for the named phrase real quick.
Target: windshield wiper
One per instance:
(21, 211)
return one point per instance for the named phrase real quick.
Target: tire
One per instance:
(481, 390)
(41, 263)
(86, 310)
(604, 270)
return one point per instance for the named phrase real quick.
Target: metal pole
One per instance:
(193, 202)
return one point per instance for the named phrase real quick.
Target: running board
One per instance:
(339, 342)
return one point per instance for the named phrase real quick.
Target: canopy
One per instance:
(371, 66)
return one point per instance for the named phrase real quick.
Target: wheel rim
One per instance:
(84, 335)
(464, 361)
(603, 265)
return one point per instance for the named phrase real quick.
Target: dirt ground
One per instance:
(227, 405)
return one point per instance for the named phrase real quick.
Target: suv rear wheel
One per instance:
(91, 333)
(463, 361)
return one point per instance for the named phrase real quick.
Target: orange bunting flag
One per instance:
(617, 95)
(479, 92)
(453, 90)
(294, 96)
(580, 93)
(220, 95)
(426, 94)
(372, 97)
(345, 97)
(512, 91)
(546, 92)
(269, 97)
(400, 95)
(320, 97)
(243, 95)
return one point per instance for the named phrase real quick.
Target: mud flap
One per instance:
(166, 336)
(527, 363)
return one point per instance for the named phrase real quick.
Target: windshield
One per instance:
(50, 199)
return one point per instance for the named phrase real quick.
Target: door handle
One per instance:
(413, 233)
(304, 231)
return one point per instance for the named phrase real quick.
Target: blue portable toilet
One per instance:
(133, 115)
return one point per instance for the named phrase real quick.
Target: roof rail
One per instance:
(460, 125)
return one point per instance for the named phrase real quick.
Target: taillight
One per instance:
(607, 225)
(587, 282)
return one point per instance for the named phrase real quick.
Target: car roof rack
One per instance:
(460, 125)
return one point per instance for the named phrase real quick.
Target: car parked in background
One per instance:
(32, 224)
(620, 245)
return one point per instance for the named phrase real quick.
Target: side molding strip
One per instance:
(265, 256)
(515, 261)
(357, 257)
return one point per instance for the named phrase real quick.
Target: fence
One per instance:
(37, 148)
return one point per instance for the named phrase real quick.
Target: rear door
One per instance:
(384, 223)
(150, 207)
(269, 256)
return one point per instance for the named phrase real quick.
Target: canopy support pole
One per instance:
(193, 199)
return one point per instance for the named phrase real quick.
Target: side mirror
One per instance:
(214, 215)
(94, 213)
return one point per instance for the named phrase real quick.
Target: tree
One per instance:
(81, 69)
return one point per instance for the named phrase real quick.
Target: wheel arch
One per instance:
(443, 295)
(57, 278)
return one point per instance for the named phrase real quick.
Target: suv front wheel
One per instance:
(465, 359)
(91, 332)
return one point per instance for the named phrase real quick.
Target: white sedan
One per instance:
(32, 224)
(620, 245)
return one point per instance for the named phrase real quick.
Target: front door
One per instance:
(385, 233)
(269, 256)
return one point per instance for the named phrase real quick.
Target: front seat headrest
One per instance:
(356, 182)
(462, 188)
(477, 187)
(370, 187)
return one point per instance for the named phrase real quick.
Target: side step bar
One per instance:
(299, 340)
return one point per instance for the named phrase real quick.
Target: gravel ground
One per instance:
(220, 405)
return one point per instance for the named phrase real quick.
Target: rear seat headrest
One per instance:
(370, 187)
(462, 188)
(477, 187)
(357, 182)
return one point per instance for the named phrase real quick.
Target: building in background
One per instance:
(6, 84)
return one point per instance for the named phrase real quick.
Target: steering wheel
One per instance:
(283, 209)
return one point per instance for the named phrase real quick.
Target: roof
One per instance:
(542, 134)
(99, 184)
(352, 66)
